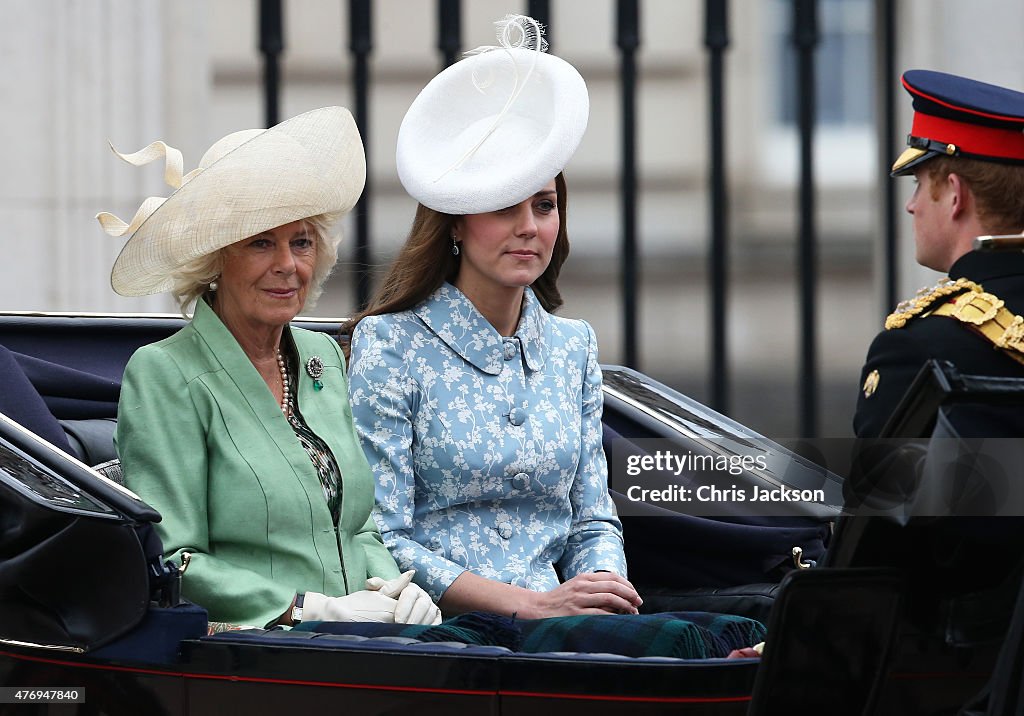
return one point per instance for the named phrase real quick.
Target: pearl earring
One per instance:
(214, 285)
(455, 245)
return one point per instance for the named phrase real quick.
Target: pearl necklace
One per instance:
(286, 384)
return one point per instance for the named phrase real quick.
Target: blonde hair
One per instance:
(192, 280)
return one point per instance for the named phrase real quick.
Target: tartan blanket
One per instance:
(685, 635)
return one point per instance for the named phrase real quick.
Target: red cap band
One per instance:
(971, 138)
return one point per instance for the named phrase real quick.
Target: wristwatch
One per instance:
(297, 608)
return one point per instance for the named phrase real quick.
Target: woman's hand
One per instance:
(588, 593)
(366, 606)
(747, 652)
(414, 605)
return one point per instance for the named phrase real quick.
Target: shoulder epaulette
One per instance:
(924, 299)
(974, 307)
(989, 316)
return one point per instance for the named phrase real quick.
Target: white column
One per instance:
(78, 74)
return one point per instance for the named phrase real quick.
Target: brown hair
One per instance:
(997, 188)
(425, 262)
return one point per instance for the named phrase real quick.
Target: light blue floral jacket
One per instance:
(486, 450)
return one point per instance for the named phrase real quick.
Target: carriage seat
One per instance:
(92, 439)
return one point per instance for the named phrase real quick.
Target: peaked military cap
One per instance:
(960, 117)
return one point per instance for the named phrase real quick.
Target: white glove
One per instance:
(366, 606)
(414, 605)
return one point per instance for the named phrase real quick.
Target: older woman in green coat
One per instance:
(238, 428)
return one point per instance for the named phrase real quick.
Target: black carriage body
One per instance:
(831, 628)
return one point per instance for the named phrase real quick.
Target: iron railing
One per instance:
(805, 38)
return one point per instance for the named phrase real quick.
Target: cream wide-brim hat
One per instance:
(247, 182)
(491, 130)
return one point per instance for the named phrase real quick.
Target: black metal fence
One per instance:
(628, 41)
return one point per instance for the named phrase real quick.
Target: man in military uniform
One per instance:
(966, 153)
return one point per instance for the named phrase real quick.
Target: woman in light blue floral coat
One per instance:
(479, 411)
(480, 415)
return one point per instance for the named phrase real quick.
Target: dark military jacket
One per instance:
(896, 355)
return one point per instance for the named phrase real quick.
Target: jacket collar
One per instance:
(981, 266)
(229, 354)
(455, 320)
